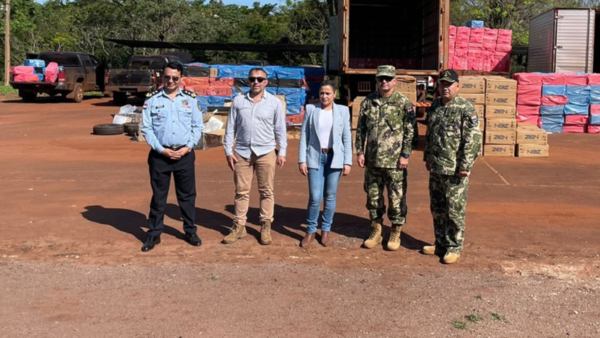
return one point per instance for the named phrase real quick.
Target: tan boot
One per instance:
(375, 237)
(450, 257)
(394, 241)
(265, 233)
(432, 250)
(237, 232)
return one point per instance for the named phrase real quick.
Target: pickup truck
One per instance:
(80, 73)
(143, 74)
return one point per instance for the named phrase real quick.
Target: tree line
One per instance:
(84, 25)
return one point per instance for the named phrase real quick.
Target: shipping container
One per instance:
(562, 41)
(410, 35)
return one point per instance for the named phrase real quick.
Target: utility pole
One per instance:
(7, 42)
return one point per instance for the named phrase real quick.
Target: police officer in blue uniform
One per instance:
(172, 125)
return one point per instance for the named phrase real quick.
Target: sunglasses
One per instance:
(259, 79)
(174, 78)
(385, 78)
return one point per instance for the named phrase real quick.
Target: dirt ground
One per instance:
(75, 208)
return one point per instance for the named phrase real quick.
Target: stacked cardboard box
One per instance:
(500, 117)
(532, 141)
(472, 89)
(407, 86)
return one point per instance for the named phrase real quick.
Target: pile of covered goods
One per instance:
(559, 102)
(216, 85)
(35, 70)
(479, 49)
(495, 99)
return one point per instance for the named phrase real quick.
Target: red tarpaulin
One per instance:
(554, 100)
(528, 78)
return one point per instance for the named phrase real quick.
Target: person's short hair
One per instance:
(174, 65)
(328, 83)
(257, 69)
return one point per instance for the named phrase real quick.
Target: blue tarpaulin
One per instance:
(553, 128)
(552, 110)
(595, 94)
(576, 109)
(578, 90)
(553, 119)
(36, 63)
(211, 101)
(290, 73)
(475, 24)
(293, 96)
(293, 110)
(554, 90)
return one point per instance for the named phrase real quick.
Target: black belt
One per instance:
(174, 148)
(326, 150)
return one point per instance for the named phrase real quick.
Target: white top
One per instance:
(325, 127)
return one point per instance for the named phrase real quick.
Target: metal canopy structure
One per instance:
(232, 47)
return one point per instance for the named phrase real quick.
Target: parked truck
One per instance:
(142, 74)
(79, 73)
(410, 35)
(562, 40)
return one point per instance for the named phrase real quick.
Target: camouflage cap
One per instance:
(449, 75)
(386, 71)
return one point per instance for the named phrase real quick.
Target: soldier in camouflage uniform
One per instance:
(385, 125)
(452, 143)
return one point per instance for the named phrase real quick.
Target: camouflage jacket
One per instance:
(453, 138)
(386, 129)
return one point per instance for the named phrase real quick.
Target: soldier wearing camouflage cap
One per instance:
(452, 143)
(384, 137)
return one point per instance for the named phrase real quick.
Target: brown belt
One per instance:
(326, 150)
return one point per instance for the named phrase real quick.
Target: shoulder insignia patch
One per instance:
(189, 93)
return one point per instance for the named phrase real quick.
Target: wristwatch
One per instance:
(405, 155)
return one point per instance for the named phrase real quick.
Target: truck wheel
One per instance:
(29, 96)
(108, 129)
(120, 99)
(77, 93)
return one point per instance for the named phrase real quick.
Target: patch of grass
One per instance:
(478, 297)
(474, 317)
(496, 316)
(8, 90)
(99, 94)
(458, 324)
(214, 277)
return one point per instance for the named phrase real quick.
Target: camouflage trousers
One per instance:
(448, 203)
(395, 181)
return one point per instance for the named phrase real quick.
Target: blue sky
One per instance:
(236, 2)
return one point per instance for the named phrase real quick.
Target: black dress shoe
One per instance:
(193, 239)
(151, 241)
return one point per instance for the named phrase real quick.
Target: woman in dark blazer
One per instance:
(325, 154)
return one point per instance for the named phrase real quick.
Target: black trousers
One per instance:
(185, 185)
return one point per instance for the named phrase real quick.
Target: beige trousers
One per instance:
(265, 175)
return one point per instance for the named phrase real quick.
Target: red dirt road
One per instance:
(75, 208)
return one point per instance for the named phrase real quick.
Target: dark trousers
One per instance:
(185, 186)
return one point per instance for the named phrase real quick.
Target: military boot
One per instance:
(394, 241)
(451, 257)
(237, 232)
(375, 237)
(265, 233)
(433, 250)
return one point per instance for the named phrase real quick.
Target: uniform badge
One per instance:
(159, 116)
(158, 107)
(184, 102)
(474, 117)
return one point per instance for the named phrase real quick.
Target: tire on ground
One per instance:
(108, 129)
